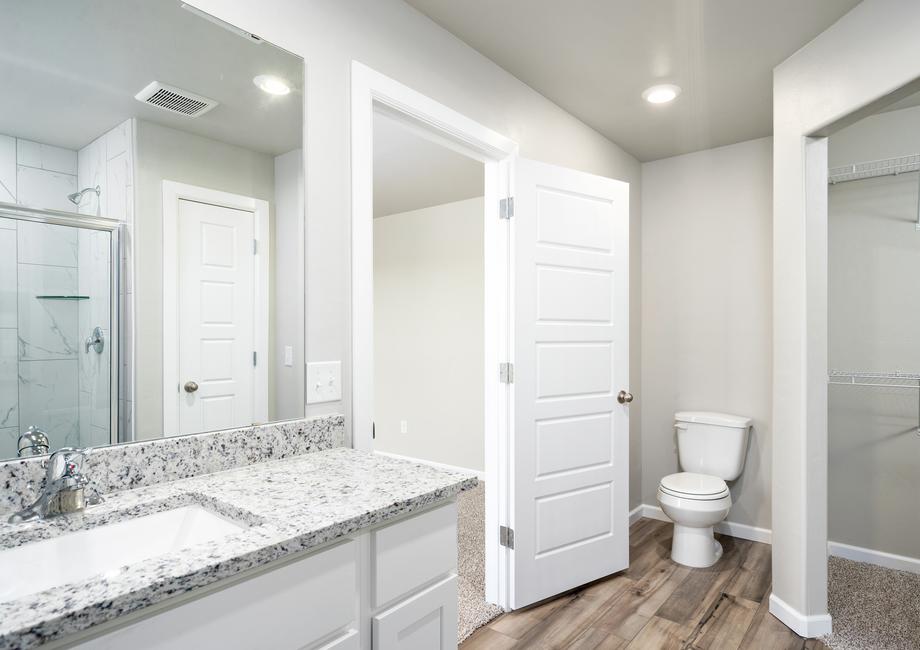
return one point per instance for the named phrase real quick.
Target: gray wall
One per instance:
(398, 41)
(168, 154)
(706, 308)
(873, 316)
(287, 308)
(428, 333)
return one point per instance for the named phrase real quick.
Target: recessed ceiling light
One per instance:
(272, 85)
(661, 94)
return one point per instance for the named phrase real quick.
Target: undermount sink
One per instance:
(77, 556)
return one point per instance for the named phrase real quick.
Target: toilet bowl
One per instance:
(711, 448)
(695, 503)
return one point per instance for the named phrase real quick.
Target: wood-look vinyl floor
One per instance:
(656, 604)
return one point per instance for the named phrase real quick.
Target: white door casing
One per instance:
(215, 310)
(569, 452)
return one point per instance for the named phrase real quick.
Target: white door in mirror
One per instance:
(216, 322)
(324, 382)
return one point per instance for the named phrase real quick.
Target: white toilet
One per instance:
(711, 448)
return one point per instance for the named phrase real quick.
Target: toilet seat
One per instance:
(693, 486)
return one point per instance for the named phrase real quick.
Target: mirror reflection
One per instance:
(151, 226)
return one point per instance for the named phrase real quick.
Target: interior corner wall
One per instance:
(287, 301)
(168, 154)
(398, 41)
(706, 308)
(429, 334)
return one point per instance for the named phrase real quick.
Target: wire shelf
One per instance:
(874, 168)
(881, 379)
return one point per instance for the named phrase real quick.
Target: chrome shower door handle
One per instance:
(624, 398)
(191, 387)
(96, 341)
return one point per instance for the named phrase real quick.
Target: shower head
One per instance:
(76, 197)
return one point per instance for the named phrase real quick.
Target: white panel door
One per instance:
(216, 317)
(571, 341)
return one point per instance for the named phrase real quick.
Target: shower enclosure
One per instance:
(59, 328)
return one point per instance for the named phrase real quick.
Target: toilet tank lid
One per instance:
(708, 417)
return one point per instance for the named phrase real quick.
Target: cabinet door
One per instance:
(426, 621)
(414, 552)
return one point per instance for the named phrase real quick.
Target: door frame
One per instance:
(374, 92)
(173, 192)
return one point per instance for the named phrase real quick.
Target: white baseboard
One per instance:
(741, 531)
(635, 514)
(481, 475)
(880, 558)
(809, 627)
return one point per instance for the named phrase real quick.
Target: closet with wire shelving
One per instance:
(874, 338)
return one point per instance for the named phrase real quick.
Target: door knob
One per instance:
(190, 387)
(624, 397)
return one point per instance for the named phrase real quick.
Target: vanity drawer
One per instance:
(292, 606)
(412, 553)
(426, 621)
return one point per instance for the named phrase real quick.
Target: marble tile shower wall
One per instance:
(108, 161)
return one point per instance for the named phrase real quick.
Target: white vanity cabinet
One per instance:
(413, 586)
(385, 588)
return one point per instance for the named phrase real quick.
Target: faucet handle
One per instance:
(67, 462)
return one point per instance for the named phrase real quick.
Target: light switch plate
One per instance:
(289, 355)
(324, 382)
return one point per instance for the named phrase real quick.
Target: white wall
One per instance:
(706, 307)
(287, 302)
(428, 333)
(398, 41)
(873, 311)
(168, 154)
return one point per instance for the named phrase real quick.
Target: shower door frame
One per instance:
(114, 228)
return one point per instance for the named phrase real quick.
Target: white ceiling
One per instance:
(595, 57)
(411, 172)
(70, 71)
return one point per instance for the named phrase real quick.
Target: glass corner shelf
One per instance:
(62, 297)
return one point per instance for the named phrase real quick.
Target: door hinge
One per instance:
(506, 373)
(253, 357)
(506, 208)
(255, 246)
(506, 537)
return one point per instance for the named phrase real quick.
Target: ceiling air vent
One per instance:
(175, 100)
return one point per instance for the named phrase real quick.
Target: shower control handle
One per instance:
(624, 398)
(190, 387)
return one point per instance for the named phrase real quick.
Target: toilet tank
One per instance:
(712, 443)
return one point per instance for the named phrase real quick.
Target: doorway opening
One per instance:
(429, 296)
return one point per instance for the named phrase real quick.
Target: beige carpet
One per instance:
(473, 611)
(872, 608)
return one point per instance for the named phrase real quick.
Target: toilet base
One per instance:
(695, 547)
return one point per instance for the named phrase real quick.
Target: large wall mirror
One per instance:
(151, 225)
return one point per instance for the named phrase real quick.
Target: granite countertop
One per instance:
(288, 505)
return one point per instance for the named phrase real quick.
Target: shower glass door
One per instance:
(58, 329)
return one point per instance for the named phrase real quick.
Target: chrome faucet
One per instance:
(33, 442)
(65, 487)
